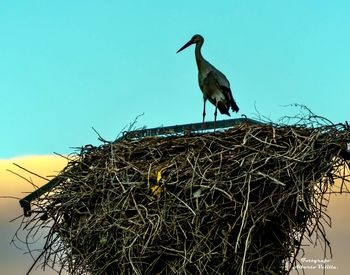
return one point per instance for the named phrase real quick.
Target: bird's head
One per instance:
(197, 38)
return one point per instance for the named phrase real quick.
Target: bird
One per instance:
(213, 83)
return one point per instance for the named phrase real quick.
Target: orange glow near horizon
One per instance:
(46, 166)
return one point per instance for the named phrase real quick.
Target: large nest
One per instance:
(234, 202)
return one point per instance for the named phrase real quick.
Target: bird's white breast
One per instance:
(218, 96)
(202, 74)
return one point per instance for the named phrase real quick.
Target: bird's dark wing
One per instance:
(229, 98)
(224, 86)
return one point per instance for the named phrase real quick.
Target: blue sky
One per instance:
(67, 66)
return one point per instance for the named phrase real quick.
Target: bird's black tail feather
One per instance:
(234, 105)
(228, 95)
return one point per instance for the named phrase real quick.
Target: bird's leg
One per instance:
(204, 100)
(215, 114)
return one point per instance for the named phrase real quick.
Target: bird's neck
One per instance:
(199, 58)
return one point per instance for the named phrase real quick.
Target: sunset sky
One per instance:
(12, 260)
(68, 66)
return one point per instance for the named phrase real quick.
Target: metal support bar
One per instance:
(188, 128)
(25, 202)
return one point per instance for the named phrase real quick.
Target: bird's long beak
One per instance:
(189, 43)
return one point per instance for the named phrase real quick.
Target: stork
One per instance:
(213, 83)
